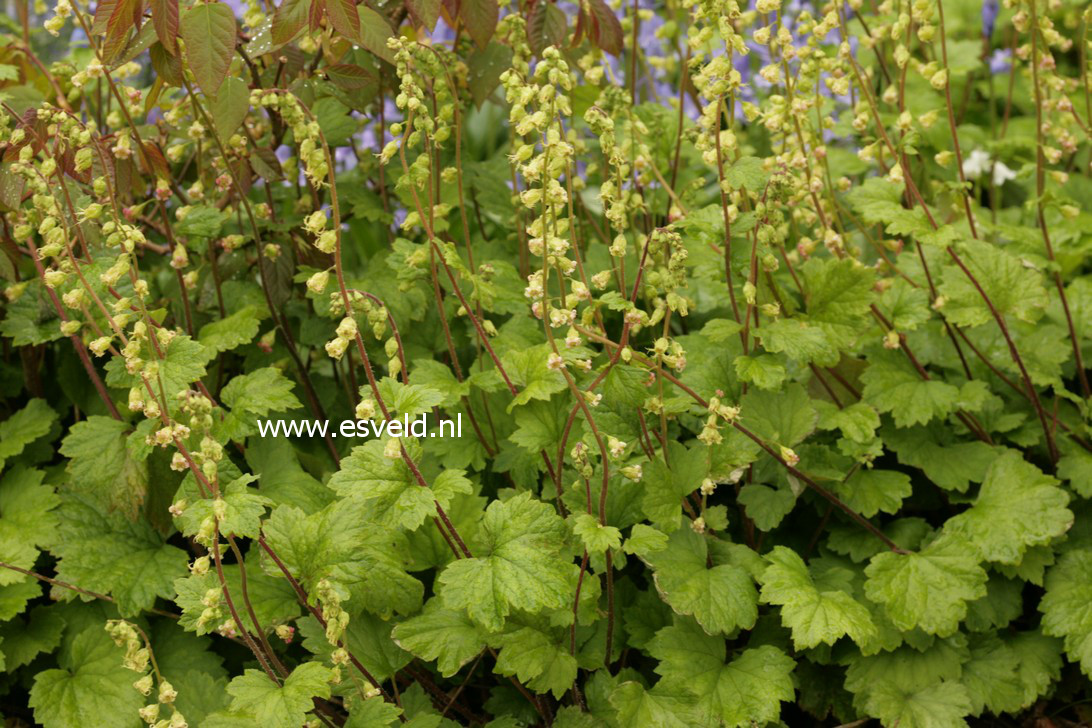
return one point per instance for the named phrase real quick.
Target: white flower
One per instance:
(977, 164)
(1002, 174)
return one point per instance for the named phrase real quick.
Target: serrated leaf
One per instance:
(445, 636)
(24, 427)
(908, 669)
(342, 544)
(102, 465)
(838, 290)
(242, 510)
(952, 466)
(595, 536)
(280, 706)
(722, 598)
(857, 421)
(344, 18)
(877, 201)
(764, 371)
(192, 667)
(605, 29)
(815, 616)
(990, 676)
(940, 705)
(520, 567)
(108, 553)
(1017, 507)
(1067, 605)
(31, 319)
(870, 491)
(644, 540)
(427, 12)
(749, 173)
(272, 597)
(928, 589)
(892, 385)
(409, 399)
(165, 20)
(1039, 663)
(374, 32)
(485, 69)
(529, 372)
(637, 706)
(231, 331)
(336, 120)
(91, 687)
(168, 68)
(541, 425)
(391, 491)
(23, 641)
(368, 637)
(115, 20)
(667, 483)
(288, 20)
(1014, 290)
(348, 76)
(209, 32)
(26, 507)
(1002, 604)
(538, 658)
(1076, 467)
(253, 395)
(905, 306)
(372, 714)
(183, 364)
(766, 506)
(784, 418)
(204, 221)
(744, 691)
(798, 339)
(14, 597)
(626, 385)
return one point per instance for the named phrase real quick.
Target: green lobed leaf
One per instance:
(722, 597)
(91, 687)
(389, 488)
(1067, 605)
(24, 427)
(520, 567)
(445, 636)
(745, 690)
(108, 553)
(1017, 507)
(280, 706)
(928, 589)
(814, 616)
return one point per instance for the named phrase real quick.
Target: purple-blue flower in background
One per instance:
(239, 7)
(1000, 61)
(990, 10)
(443, 33)
(344, 158)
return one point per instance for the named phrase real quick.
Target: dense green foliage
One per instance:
(767, 327)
